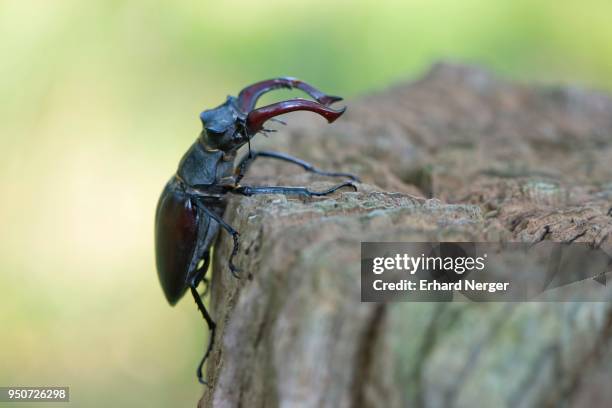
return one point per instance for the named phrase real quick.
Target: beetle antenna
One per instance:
(278, 121)
(266, 131)
(244, 132)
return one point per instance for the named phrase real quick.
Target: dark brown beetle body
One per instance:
(176, 233)
(190, 209)
(184, 233)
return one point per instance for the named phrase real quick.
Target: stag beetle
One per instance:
(190, 210)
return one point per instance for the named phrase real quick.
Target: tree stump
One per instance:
(457, 156)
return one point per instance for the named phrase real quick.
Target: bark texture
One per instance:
(459, 155)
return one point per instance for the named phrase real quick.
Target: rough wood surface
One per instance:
(459, 155)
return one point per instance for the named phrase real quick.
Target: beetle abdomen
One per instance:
(176, 237)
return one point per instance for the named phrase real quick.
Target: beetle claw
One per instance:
(206, 287)
(235, 271)
(351, 185)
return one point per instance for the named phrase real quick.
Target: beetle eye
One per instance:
(213, 133)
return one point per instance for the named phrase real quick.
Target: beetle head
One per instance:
(223, 126)
(232, 124)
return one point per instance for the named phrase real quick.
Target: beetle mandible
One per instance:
(190, 210)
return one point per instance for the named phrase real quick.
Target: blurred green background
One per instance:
(101, 98)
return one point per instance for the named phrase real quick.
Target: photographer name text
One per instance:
(434, 285)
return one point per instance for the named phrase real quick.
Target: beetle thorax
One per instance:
(200, 166)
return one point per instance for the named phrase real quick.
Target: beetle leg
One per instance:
(206, 283)
(252, 190)
(211, 327)
(198, 276)
(235, 236)
(247, 160)
(202, 272)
